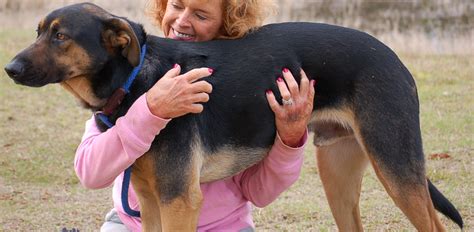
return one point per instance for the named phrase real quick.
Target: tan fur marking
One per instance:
(226, 162)
(145, 185)
(413, 200)
(322, 119)
(54, 23)
(81, 88)
(341, 167)
(342, 115)
(229, 161)
(183, 212)
(76, 61)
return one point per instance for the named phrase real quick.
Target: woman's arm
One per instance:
(101, 157)
(264, 182)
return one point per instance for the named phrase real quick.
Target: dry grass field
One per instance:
(41, 127)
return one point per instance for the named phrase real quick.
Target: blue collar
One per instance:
(117, 96)
(135, 70)
(113, 102)
(127, 172)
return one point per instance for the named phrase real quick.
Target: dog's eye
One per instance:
(61, 36)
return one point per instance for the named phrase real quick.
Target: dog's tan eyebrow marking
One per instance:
(55, 24)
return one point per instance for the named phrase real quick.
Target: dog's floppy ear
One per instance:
(119, 34)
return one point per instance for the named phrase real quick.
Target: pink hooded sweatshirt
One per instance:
(101, 159)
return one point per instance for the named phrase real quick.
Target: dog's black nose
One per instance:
(14, 69)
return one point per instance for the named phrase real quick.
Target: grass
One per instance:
(41, 128)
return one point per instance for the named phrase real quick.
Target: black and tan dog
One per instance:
(366, 109)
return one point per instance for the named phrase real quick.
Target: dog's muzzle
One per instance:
(15, 69)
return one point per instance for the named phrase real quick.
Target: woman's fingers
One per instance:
(290, 81)
(285, 93)
(196, 108)
(201, 86)
(173, 72)
(292, 117)
(274, 105)
(196, 74)
(175, 95)
(289, 88)
(304, 83)
(199, 98)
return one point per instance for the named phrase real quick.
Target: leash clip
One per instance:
(114, 101)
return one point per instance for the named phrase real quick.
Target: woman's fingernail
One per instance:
(279, 79)
(268, 91)
(285, 70)
(175, 65)
(313, 82)
(210, 70)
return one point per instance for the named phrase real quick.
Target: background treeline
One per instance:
(445, 26)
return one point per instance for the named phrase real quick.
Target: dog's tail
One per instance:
(443, 205)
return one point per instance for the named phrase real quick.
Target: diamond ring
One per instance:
(288, 102)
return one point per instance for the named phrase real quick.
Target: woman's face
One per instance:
(193, 20)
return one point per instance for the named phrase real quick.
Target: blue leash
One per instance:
(105, 119)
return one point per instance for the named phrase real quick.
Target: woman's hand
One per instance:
(293, 116)
(175, 95)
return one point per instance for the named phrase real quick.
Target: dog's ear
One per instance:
(119, 34)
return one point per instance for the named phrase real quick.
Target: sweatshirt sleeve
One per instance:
(101, 157)
(262, 183)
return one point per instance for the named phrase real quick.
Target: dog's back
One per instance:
(357, 78)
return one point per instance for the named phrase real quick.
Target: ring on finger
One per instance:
(288, 102)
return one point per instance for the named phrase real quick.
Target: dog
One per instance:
(366, 109)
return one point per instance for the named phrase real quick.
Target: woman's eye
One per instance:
(201, 17)
(176, 6)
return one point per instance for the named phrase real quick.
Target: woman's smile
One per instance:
(177, 35)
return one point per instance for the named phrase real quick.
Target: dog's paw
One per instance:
(70, 230)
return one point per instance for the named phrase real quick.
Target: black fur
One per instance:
(444, 206)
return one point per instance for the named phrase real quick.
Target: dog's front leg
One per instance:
(145, 184)
(181, 213)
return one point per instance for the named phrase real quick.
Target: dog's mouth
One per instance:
(32, 82)
(22, 72)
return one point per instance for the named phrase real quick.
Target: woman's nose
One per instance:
(183, 19)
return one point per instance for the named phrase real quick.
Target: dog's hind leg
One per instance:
(388, 130)
(341, 166)
(401, 171)
(412, 198)
(145, 185)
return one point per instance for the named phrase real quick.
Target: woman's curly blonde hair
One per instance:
(240, 16)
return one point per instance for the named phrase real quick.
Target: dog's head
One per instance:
(73, 46)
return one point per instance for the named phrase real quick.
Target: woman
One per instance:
(101, 158)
